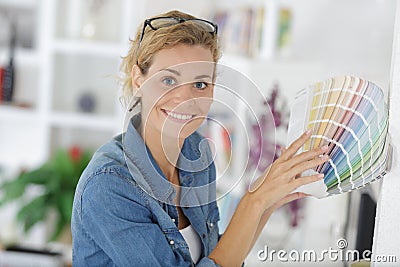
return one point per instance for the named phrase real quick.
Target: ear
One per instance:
(137, 80)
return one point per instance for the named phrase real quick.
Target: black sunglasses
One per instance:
(161, 22)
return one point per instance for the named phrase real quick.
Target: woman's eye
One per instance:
(200, 85)
(169, 81)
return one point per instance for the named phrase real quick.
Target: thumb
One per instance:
(288, 198)
(283, 150)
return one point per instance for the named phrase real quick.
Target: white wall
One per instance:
(387, 234)
(348, 37)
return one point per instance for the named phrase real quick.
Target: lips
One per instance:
(178, 116)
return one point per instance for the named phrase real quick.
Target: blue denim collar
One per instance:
(146, 172)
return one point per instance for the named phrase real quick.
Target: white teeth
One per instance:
(179, 116)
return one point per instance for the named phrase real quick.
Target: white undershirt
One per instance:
(193, 240)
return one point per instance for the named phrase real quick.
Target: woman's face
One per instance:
(177, 91)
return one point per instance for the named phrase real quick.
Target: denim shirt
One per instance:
(123, 211)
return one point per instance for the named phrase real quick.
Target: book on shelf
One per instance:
(243, 31)
(240, 29)
(284, 27)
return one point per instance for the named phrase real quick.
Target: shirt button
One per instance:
(171, 242)
(173, 219)
(211, 224)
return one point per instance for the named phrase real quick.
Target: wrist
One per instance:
(255, 202)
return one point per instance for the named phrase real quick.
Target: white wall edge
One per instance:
(386, 240)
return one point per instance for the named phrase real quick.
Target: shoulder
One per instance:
(108, 160)
(107, 174)
(110, 184)
(109, 154)
(109, 189)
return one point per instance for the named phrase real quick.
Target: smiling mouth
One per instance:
(182, 117)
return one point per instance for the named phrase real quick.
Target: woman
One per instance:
(137, 202)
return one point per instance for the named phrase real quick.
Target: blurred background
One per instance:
(59, 102)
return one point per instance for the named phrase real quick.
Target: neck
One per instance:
(165, 151)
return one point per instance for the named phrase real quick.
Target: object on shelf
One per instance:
(7, 74)
(87, 102)
(70, 82)
(241, 30)
(350, 116)
(58, 178)
(284, 31)
(89, 28)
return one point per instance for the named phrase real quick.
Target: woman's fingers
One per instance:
(305, 156)
(289, 198)
(295, 146)
(296, 183)
(299, 168)
(283, 150)
(278, 181)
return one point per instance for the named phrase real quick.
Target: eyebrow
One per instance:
(173, 71)
(202, 76)
(179, 74)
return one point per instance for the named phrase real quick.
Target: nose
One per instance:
(184, 93)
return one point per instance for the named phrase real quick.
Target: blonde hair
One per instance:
(156, 40)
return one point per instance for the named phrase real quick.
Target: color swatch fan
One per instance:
(349, 115)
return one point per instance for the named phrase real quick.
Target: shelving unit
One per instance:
(50, 79)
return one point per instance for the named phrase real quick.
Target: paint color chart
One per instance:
(348, 114)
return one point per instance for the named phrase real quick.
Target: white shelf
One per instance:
(13, 113)
(86, 121)
(88, 48)
(28, 57)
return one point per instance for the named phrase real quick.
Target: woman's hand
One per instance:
(274, 188)
(271, 190)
